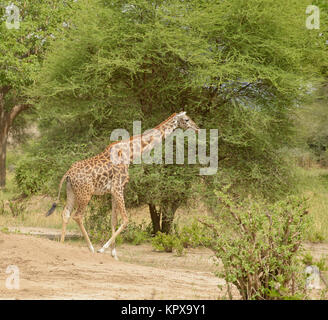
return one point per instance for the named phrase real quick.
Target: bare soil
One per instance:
(51, 270)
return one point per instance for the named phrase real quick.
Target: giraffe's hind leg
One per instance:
(78, 217)
(119, 199)
(68, 209)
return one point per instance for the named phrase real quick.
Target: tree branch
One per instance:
(16, 110)
(235, 94)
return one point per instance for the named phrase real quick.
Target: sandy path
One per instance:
(51, 270)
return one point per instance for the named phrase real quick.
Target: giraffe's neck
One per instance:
(151, 138)
(139, 144)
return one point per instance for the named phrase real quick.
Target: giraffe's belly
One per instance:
(103, 189)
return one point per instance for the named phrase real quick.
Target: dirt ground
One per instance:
(51, 270)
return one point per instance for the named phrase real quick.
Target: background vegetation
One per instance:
(250, 69)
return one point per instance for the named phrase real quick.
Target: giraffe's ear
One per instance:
(183, 113)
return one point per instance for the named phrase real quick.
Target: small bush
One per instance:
(259, 246)
(17, 209)
(31, 174)
(167, 242)
(135, 234)
(193, 235)
(2, 208)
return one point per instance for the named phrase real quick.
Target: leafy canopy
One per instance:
(239, 66)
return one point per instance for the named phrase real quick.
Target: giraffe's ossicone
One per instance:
(107, 172)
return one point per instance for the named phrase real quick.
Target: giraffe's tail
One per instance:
(54, 205)
(52, 209)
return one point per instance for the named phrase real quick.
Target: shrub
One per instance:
(17, 209)
(136, 233)
(259, 245)
(31, 174)
(193, 235)
(167, 242)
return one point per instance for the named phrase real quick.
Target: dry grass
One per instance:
(37, 206)
(314, 185)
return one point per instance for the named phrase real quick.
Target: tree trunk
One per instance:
(155, 218)
(6, 120)
(168, 211)
(3, 152)
(4, 123)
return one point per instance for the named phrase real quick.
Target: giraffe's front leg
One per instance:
(114, 224)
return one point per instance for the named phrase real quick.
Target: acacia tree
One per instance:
(26, 29)
(122, 71)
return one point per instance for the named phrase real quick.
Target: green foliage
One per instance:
(259, 246)
(41, 169)
(323, 6)
(166, 187)
(282, 293)
(193, 235)
(30, 175)
(22, 49)
(136, 233)
(167, 242)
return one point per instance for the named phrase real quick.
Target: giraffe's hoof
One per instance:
(102, 250)
(92, 250)
(114, 254)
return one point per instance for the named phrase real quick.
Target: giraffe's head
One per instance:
(184, 122)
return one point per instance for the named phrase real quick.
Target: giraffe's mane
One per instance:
(138, 135)
(165, 121)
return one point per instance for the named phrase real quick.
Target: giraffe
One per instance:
(107, 172)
